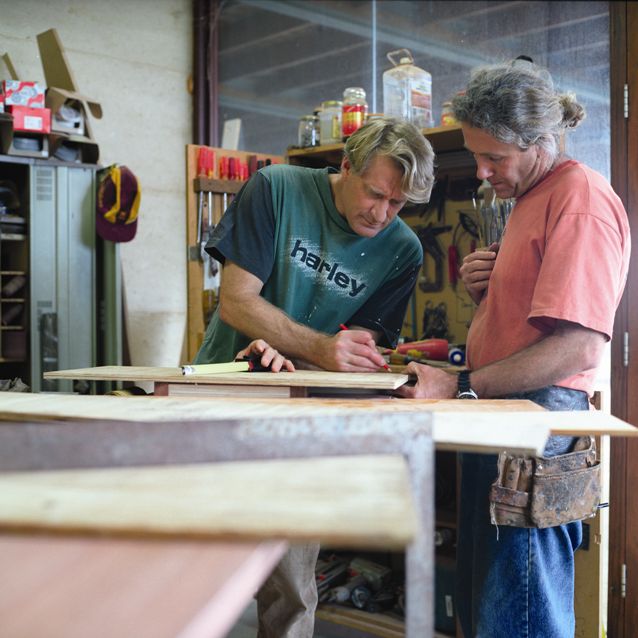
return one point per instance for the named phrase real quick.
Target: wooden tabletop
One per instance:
(483, 425)
(75, 587)
(356, 501)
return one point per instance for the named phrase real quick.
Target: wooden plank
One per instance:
(191, 391)
(209, 185)
(73, 587)
(485, 426)
(27, 406)
(359, 501)
(300, 378)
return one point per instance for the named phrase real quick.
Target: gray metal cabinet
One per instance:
(62, 269)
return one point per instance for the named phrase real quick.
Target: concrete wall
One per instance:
(134, 57)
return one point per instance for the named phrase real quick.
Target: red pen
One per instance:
(385, 365)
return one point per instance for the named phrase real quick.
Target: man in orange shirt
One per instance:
(546, 299)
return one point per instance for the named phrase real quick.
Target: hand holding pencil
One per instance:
(361, 339)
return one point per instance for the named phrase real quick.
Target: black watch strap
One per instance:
(464, 388)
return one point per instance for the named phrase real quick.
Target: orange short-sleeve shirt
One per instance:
(564, 256)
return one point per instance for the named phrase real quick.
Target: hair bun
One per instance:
(573, 112)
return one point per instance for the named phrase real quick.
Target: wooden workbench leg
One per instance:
(160, 389)
(419, 557)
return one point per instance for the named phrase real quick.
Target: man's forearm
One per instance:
(568, 351)
(242, 307)
(262, 320)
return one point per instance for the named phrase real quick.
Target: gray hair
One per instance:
(405, 144)
(516, 103)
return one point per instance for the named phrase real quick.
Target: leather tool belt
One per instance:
(547, 491)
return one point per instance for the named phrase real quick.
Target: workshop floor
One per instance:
(246, 627)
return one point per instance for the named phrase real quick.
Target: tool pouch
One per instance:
(546, 491)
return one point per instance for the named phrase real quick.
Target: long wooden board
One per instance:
(300, 378)
(75, 587)
(455, 421)
(359, 501)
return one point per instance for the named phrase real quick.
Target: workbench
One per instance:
(56, 432)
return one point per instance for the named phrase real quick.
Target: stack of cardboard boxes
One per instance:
(55, 123)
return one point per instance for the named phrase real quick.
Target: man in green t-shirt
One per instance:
(305, 251)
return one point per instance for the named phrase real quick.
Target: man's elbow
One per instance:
(591, 351)
(594, 355)
(227, 310)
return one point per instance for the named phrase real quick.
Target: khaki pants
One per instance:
(287, 601)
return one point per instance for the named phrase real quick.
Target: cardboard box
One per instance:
(30, 120)
(62, 90)
(19, 93)
(21, 144)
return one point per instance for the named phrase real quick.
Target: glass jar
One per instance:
(307, 135)
(330, 122)
(447, 116)
(354, 110)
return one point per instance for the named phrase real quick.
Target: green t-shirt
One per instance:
(283, 228)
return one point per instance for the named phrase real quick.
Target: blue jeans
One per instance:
(515, 582)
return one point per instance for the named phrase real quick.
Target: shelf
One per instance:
(442, 138)
(11, 328)
(12, 300)
(12, 237)
(220, 186)
(374, 624)
(13, 272)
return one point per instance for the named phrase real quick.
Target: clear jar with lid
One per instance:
(307, 135)
(354, 110)
(330, 122)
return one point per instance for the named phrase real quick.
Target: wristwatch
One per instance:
(464, 389)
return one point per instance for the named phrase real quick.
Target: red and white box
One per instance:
(18, 93)
(30, 120)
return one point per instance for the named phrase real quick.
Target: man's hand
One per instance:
(432, 383)
(350, 351)
(269, 356)
(476, 271)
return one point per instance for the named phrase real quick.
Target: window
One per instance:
(279, 59)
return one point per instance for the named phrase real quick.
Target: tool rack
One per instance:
(219, 189)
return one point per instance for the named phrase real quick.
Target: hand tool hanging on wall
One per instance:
(466, 226)
(202, 158)
(437, 200)
(210, 283)
(432, 249)
(435, 323)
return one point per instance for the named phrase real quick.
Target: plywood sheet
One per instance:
(360, 501)
(54, 405)
(74, 587)
(300, 378)
(484, 425)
